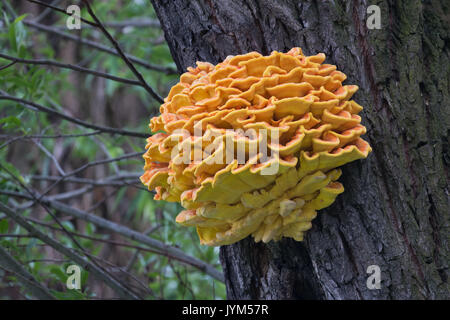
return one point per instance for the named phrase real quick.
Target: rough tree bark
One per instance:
(394, 212)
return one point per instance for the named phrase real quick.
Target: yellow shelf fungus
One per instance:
(251, 146)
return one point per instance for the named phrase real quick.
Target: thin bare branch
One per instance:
(97, 239)
(127, 61)
(13, 139)
(53, 7)
(138, 23)
(13, 235)
(51, 156)
(54, 112)
(98, 46)
(57, 64)
(50, 136)
(112, 181)
(165, 249)
(114, 24)
(32, 194)
(162, 248)
(114, 267)
(87, 165)
(136, 253)
(106, 152)
(70, 253)
(36, 289)
(8, 65)
(47, 11)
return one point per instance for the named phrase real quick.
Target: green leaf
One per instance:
(12, 37)
(4, 226)
(60, 275)
(90, 228)
(18, 19)
(10, 122)
(37, 77)
(13, 33)
(13, 170)
(68, 225)
(22, 51)
(84, 278)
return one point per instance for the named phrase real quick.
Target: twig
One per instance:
(52, 7)
(8, 65)
(70, 194)
(122, 55)
(46, 260)
(46, 11)
(128, 23)
(183, 282)
(102, 182)
(37, 106)
(106, 152)
(41, 136)
(119, 24)
(98, 46)
(13, 235)
(10, 264)
(171, 252)
(136, 253)
(121, 269)
(162, 248)
(32, 194)
(105, 198)
(97, 239)
(60, 196)
(51, 136)
(51, 156)
(27, 279)
(88, 266)
(68, 66)
(87, 165)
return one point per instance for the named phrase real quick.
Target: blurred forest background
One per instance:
(70, 190)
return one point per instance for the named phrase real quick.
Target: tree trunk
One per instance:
(394, 212)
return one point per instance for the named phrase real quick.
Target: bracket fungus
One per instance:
(252, 145)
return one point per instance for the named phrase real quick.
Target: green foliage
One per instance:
(22, 160)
